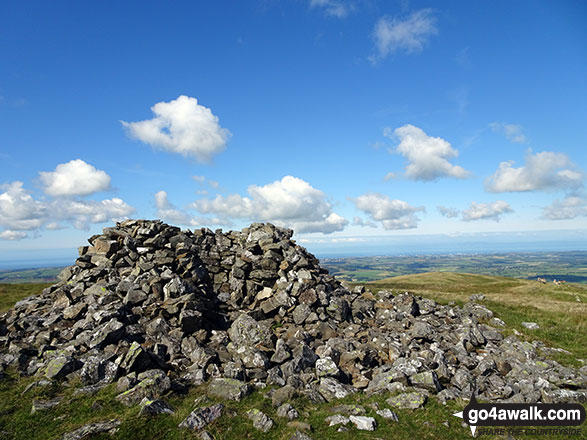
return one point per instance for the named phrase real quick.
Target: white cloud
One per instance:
(572, 206)
(389, 176)
(202, 179)
(182, 126)
(543, 171)
(74, 178)
(448, 212)
(199, 179)
(333, 8)
(19, 211)
(409, 35)
(358, 221)
(289, 202)
(12, 235)
(486, 211)
(513, 132)
(427, 156)
(167, 212)
(393, 214)
(83, 212)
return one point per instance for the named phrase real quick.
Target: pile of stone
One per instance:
(157, 310)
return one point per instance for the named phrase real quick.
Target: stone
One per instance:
(202, 417)
(326, 367)
(413, 400)
(155, 407)
(261, 421)
(299, 435)
(427, 380)
(387, 414)
(245, 331)
(229, 389)
(331, 389)
(60, 367)
(287, 411)
(44, 405)
(91, 429)
(363, 423)
(530, 325)
(151, 384)
(337, 419)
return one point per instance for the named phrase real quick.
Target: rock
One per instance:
(530, 325)
(282, 395)
(298, 435)
(229, 389)
(337, 419)
(349, 410)
(387, 414)
(413, 400)
(260, 420)
(60, 367)
(287, 411)
(151, 384)
(202, 417)
(43, 405)
(155, 407)
(364, 423)
(427, 380)
(332, 389)
(91, 429)
(326, 367)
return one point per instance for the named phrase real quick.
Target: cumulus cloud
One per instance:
(427, 156)
(333, 8)
(448, 212)
(74, 178)
(202, 179)
(409, 35)
(182, 126)
(20, 211)
(572, 206)
(543, 171)
(512, 132)
(289, 202)
(12, 235)
(168, 212)
(358, 221)
(393, 214)
(486, 211)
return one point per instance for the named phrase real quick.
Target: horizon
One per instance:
(360, 125)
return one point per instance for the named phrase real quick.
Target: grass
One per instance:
(561, 317)
(11, 293)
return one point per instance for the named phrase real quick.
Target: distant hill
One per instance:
(37, 275)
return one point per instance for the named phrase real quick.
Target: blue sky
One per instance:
(342, 119)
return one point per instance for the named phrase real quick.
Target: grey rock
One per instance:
(364, 423)
(387, 414)
(332, 389)
(155, 407)
(91, 429)
(530, 325)
(43, 405)
(287, 411)
(411, 400)
(202, 417)
(337, 419)
(260, 420)
(229, 389)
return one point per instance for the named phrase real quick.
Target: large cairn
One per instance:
(158, 310)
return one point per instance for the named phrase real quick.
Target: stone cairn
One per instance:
(157, 310)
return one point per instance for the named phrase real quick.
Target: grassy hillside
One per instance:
(561, 311)
(562, 319)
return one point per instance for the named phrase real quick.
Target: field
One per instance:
(568, 266)
(561, 312)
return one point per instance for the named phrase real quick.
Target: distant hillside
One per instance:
(568, 266)
(37, 275)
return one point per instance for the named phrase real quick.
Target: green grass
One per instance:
(11, 293)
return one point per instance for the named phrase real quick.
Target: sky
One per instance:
(361, 124)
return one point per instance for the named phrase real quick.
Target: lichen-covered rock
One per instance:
(60, 367)
(202, 417)
(91, 429)
(229, 389)
(155, 407)
(412, 400)
(363, 423)
(261, 421)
